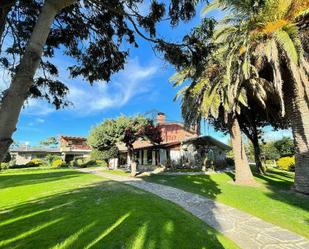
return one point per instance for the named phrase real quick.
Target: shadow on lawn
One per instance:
(280, 186)
(104, 215)
(206, 185)
(23, 179)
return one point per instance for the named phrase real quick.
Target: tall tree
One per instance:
(285, 146)
(209, 95)
(267, 40)
(126, 130)
(50, 142)
(90, 31)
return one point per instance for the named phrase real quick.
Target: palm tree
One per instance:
(264, 39)
(210, 94)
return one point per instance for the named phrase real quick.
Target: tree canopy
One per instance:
(92, 32)
(50, 142)
(96, 35)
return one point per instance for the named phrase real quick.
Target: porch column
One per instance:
(153, 157)
(140, 155)
(115, 163)
(145, 157)
(163, 156)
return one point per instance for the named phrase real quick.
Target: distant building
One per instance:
(23, 155)
(179, 147)
(70, 147)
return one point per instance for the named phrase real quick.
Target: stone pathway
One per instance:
(247, 231)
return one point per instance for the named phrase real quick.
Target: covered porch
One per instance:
(147, 158)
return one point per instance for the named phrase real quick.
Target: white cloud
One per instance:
(39, 120)
(129, 83)
(37, 107)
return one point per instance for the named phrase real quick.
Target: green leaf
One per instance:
(287, 45)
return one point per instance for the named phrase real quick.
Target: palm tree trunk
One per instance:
(14, 97)
(243, 174)
(298, 112)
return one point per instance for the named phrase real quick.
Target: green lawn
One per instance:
(116, 172)
(69, 209)
(272, 201)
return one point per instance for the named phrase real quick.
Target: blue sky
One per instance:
(142, 86)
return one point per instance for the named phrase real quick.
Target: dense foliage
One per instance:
(104, 155)
(50, 142)
(125, 130)
(285, 146)
(91, 32)
(58, 163)
(286, 163)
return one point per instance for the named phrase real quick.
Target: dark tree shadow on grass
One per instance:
(24, 178)
(103, 215)
(279, 186)
(204, 183)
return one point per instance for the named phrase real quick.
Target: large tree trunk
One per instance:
(257, 155)
(131, 160)
(298, 112)
(17, 93)
(243, 174)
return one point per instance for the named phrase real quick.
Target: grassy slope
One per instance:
(273, 201)
(68, 209)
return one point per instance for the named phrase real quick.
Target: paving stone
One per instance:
(283, 235)
(303, 245)
(247, 231)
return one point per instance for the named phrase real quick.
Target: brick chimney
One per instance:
(161, 118)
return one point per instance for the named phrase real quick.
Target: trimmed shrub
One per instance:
(84, 162)
(101, 163)
(49, 158)
(4, 166)
(58, 163)
(36, 162)
(286, 163)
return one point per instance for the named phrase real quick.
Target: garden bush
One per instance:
(286, 163)
(58, 163)
(35, 162)
(49, 158)
(83, 162)
(101, 163)
(4, 166)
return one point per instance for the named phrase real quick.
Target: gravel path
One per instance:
(247, 231)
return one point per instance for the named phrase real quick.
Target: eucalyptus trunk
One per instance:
(243, 174)
(15, 96)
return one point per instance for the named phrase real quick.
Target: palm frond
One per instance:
(287, 45)
(215, 4)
